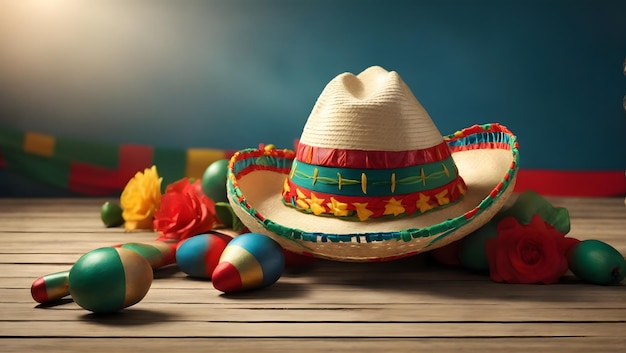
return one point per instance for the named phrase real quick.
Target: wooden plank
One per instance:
(305, 345)
(44, 240)
(333, 295)
(70, 225)
(111, 327)
(53, 204)
(338, 313)
(39, 258)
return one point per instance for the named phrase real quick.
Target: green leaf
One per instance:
(530, 203)
(225, 214)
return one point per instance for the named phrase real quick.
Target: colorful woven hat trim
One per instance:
(373, 182)
(361, 194)
(250, 160)
(487, 136)
(362, 184)
(280, 161)
(362, 208)
(332, 157)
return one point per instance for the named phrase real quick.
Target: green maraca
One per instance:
(596, 262)
(108, 279)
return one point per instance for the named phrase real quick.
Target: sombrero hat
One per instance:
(372, 178)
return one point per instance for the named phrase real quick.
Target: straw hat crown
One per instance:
(374, 110)
(368, 150)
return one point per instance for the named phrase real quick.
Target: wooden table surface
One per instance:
(406, 305)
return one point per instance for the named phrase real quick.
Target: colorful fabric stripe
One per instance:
(45, 170)
(131, 159)
(330, 157)
(39, 144)
(77, 151)
(12, 139)
(572, 183)
(197, 158)
(96, 169)
(171, 163)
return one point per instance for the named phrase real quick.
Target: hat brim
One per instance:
(485, 155)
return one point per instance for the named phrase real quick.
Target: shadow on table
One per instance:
(129, 317)
(421, 275)
(278, 290)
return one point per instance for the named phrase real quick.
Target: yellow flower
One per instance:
(140, 199)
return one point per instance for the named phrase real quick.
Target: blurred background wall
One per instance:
(230, 74)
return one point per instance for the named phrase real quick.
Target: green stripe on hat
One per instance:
(373, 182)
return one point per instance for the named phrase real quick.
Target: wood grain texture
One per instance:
(407, 305)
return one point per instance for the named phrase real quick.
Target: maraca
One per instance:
(54, 286)
(108, 279)
(249, 261)
(198, 256)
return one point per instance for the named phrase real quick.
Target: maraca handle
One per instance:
(54, 286)
(51, 287)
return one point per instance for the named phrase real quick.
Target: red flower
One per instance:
(533, 253)
(185, 211)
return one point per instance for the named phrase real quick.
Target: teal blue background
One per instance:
(233, 74)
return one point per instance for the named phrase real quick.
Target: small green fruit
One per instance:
(111, 215)
(596, 262)
(214, 181)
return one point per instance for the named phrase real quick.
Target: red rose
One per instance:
(533, 253)
(185, 211)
